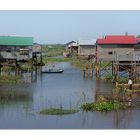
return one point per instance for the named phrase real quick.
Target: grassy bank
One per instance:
(57, 111)
(10, 79)
(51, 59)
(81, 63)
(103, 106)
(27, 68)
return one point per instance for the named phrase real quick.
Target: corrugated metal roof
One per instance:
(126, 39)
(87, 42)
(71, 42)
(16, 41)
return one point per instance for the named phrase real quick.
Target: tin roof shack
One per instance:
(120, 47)
(72, 47)
(16, 48)
(86, 47)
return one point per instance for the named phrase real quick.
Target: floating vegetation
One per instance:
(104, 106)
(58, 111)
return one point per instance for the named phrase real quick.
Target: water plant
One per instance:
(58, 111)
(103, 106)
(53, 49)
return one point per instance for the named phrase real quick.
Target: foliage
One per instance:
(10, 79)
(119, 90)
(26, 68)
(123, 80)
(57, 111)
(81, 63)
(138, 36)
(103, 106)
(49, 59)
(53, 50)
(6, 68)
(105, 64)
(109, 77)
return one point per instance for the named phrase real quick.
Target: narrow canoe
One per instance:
(53, 71)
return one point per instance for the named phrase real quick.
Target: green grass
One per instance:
(6, 68)
(53, 50)
(110, 77)
(49, 59)
(10, 79)
(57, 111)
(103, 106)
(26, 67)
(119, 90)
(81, 63)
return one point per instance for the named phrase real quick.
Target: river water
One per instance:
(67, 90)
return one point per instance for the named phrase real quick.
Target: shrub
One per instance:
(103, 106)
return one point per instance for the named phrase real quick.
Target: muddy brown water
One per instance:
(67, 90)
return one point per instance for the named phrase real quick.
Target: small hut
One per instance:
(86, 47)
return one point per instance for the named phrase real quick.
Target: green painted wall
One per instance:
(16, 41)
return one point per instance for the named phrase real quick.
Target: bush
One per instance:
(103, 106)
(10, 79)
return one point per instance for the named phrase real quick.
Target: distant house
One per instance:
(15, 47)
(86, 47)
(72, 47)
(120, 47)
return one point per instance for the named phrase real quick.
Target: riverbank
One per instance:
(13, 79)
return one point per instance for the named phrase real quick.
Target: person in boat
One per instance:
(130, 84)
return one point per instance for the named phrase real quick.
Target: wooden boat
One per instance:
(53, 71)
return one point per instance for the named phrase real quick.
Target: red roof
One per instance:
(138, 39)
(124, 39)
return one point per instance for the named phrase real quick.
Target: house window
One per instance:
(8, 50)
(24, 51)
(110, 53)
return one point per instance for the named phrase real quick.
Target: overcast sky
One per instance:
(64, 26)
